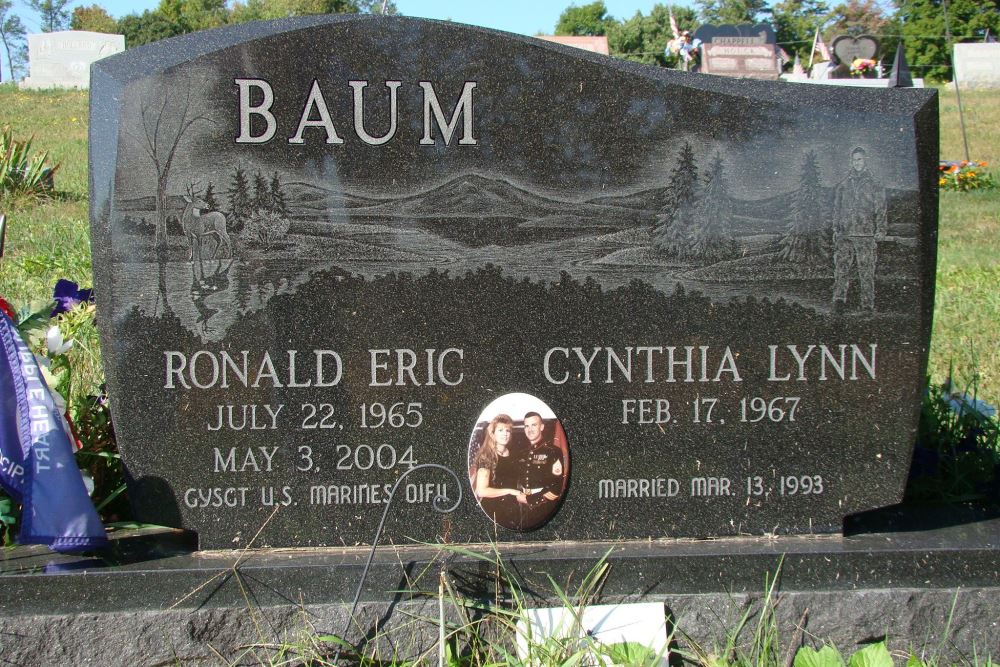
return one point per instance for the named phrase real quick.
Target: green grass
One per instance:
(967, 305)
(49, 239)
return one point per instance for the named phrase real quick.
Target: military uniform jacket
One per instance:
(537, 475)
(859, 206)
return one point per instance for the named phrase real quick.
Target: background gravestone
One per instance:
(848, 48)
(744, 51)
(978, 65)
(63, 59)
(429, 216)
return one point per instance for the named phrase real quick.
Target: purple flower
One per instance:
(68, 296)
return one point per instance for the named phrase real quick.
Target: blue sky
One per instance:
(527, 17)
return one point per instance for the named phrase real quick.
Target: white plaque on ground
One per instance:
(62, 59)
(610, 634)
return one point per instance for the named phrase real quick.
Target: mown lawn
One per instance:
(50, 239)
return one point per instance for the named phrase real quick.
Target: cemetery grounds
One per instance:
(48, 239)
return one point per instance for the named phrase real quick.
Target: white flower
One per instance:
(54, 341)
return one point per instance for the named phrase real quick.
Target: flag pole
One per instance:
(954, 77)
(812, 53)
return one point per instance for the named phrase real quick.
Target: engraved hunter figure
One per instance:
(197, 226)
(859, 222)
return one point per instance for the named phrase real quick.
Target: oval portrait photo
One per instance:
(518, 462)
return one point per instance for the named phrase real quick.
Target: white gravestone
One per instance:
(978, 65)
(62, 59)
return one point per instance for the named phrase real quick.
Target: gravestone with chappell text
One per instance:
(617, 301)
(743, 51)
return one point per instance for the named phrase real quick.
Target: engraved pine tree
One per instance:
(239, 198)
(670, 233)
(710, 237)
(278, 200)
(209, 197)
(807, 238)
(261, 194)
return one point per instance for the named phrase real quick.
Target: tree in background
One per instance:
(375, 7)
(192, 15)
(255, 10)
(922, 27)
(268, 221)
(93, 19)
(795, 23)
(734, 12)
(865, 17)
(12, 34)
(671, 231)
(710, 235)
(178, 17)
(148, 27)
(644, 38)
(239, 198)
(261, 193)
(278, 200)
(807, 238)
(586, 20)
(210, 199)
(53, 14)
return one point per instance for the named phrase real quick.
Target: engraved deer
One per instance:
(197, 226)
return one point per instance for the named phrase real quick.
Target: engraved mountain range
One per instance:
(465, 196)
(476, 196)
(472, 197)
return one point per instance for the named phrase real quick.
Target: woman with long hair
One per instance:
(495, 484)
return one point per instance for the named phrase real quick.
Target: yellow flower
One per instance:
(942, 181)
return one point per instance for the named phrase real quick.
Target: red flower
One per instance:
(6, 308)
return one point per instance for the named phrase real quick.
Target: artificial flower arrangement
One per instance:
(965, 175)
(863, 67)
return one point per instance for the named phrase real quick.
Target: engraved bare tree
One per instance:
(166, 116)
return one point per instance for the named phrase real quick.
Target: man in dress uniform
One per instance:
(542, 477)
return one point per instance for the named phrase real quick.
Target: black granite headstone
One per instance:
(323, 246)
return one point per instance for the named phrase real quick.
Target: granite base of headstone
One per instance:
(926, 581)
(682, 320)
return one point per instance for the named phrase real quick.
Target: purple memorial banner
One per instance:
(37, 466)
